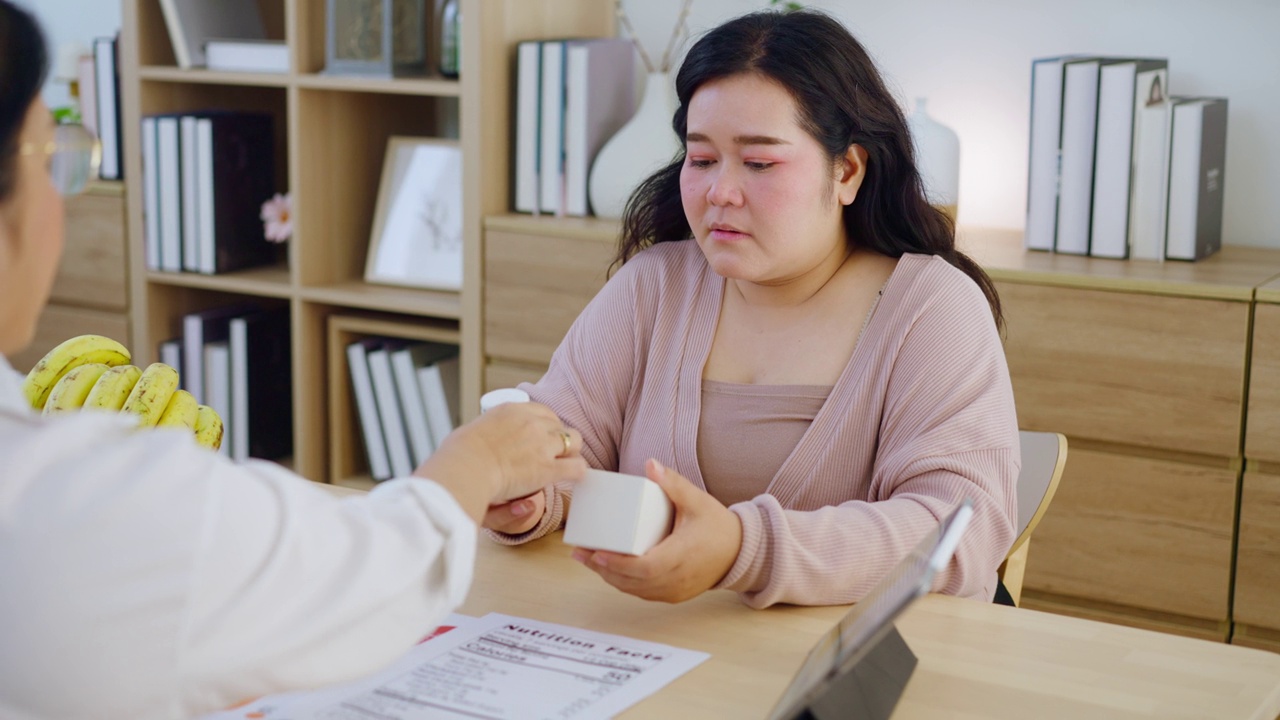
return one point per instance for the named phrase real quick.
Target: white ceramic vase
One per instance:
(937, 149)
(640, 147)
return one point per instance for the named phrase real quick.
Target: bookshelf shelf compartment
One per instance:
(331, 136)
(348, 464)
(438, 87)
(410, 301)
(209, 77)
(270, 281)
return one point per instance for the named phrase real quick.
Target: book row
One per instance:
(571, 97)
(236, 359)
(406, 397)
(1119, 167)
(205, 176)
(98, 91)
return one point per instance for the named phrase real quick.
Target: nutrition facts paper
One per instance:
(497, 667)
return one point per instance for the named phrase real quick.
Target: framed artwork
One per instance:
(384, 38)
(417, 224)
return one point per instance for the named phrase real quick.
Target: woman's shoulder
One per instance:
(664, 264)
(933, 278)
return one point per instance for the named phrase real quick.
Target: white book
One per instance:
(1113, 156)
(367, 410)
(389, 412)
(600, 96)
(1042, 164)
(238, 347)
(190, 193)
(198, 329)
(268, 56)
(551, 129)
(170, 162)
(191, 23)
(404, 368)
(206, 261)
(171, 355)
(108, 115)
(528, 95)
(1079, 135)
(1149, 187)
(217, 388)
(151, 193)
(1197, 160)
(439, 385)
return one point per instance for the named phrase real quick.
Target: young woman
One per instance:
(142, 576)
(794, 336)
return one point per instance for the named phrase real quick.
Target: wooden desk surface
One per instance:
(976, 660)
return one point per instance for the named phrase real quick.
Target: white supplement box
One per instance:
(620, 513)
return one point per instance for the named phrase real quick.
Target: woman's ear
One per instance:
(853, 168)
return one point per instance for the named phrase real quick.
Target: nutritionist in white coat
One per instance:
(143, 576)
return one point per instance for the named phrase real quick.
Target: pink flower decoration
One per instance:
(277, 218)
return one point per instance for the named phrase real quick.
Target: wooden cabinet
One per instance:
(538, 278)
(91, 290)
(1145, 367)
(331, 137)
(1257, 585)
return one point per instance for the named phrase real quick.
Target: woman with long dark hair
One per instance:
(142, 576)
(792, 346)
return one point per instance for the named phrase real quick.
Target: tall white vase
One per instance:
(937, 150)
(641, 146)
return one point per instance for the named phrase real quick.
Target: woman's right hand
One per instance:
(508, 452)
(518, 516)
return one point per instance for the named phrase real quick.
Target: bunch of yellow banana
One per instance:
(93, 372)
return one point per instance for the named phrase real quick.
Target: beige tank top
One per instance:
(746, 432)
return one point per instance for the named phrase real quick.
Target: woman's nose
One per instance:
(725, 189)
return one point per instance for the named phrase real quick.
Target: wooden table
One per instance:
(976, 660)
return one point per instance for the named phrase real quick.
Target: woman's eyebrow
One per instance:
(740, 139)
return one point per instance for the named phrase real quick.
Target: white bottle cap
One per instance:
(494, 398)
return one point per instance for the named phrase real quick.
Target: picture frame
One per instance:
(377, 38)
(416, 239)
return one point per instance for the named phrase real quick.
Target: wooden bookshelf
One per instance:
(331, 138)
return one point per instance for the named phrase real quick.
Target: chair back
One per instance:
(1044, 455)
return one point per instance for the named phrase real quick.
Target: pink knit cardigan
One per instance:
(921, 416)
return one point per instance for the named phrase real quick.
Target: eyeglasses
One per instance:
(75, 154)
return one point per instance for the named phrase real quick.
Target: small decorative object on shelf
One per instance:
(384, 38)
(450, 32)
(646, 142)
(937, 150)
(417, 224)
(277, 218)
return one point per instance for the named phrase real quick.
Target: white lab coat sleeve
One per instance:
(295, 588)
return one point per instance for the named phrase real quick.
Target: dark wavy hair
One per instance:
(24, 62)
(842, 101)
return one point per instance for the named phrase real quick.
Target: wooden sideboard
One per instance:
(1257, 587)
(1144, 366)
(91, 290)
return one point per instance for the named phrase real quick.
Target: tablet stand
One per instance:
(870, 689)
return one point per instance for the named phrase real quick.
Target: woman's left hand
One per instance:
(700, 550)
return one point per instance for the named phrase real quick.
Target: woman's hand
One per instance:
(518, 516)
(700, 550)
(511, 451)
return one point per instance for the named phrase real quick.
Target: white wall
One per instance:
(71, 21)
(972, 60)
